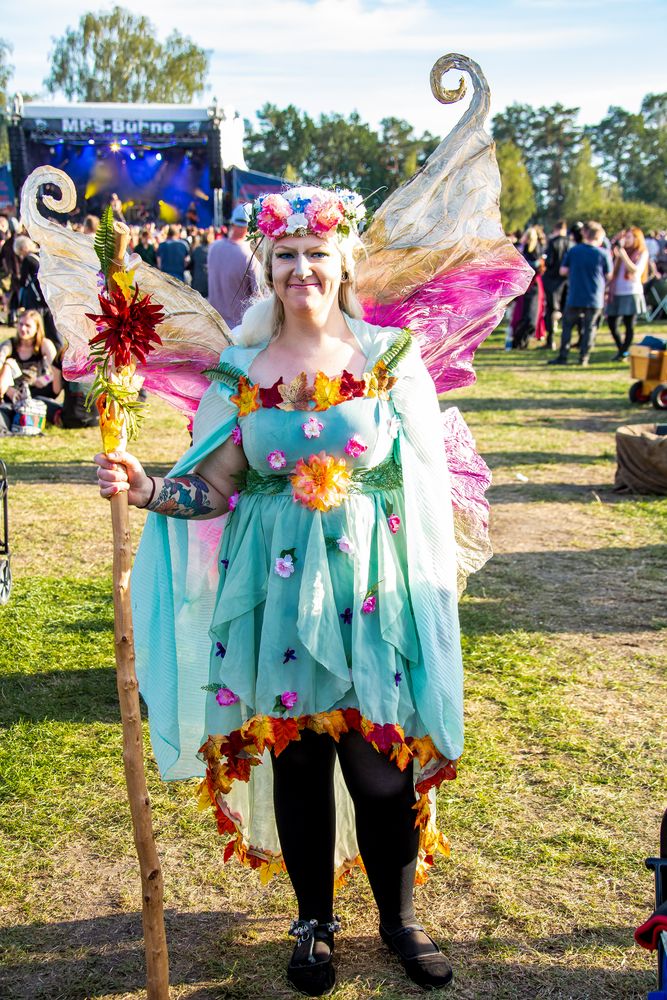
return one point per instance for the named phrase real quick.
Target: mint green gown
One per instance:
(306, 618)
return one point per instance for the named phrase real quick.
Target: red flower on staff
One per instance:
(127, 328)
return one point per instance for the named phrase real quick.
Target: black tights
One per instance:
(629, 323)
(383, 799)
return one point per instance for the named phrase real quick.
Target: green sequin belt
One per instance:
(388, 475)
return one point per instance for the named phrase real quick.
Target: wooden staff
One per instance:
(152, 886)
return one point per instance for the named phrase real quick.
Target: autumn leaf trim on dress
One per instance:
(231, 758)
(325, 391)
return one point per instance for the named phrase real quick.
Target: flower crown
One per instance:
(303, 211)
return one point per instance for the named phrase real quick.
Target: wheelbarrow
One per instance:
(649, 367)
(5, 568)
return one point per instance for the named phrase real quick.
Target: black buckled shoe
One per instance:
(429, 969)
(311, 973)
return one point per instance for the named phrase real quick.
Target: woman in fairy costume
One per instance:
(333, 702)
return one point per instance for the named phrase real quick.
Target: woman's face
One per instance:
(26, 328)
(628, 239)
(306, 273)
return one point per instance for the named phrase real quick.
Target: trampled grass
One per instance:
(561, 787)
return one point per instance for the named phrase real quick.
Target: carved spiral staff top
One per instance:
(481, 98)
(31, 217)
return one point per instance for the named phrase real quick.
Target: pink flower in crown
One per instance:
(226, 697)
(276, 460)
(369, 605)
(233, 500)
(289, 699)
(394, 523)
(273, 215)
(324, 213)
(237, 435)
(355, 446)
(312, 427)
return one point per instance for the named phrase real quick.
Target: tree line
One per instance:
(551, 167)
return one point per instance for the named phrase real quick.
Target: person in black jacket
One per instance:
(555, 285)
(30, 292)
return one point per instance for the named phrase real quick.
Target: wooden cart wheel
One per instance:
(636, 394)
(659, 396)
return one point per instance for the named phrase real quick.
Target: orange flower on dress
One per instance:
(246, 397)
(326, 392)
(320, 483)
(378, 381)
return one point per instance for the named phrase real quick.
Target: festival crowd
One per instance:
(582, 276)
(217, 262)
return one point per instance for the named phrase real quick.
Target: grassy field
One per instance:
(561, 786)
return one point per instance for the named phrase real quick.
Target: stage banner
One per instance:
(249, 184)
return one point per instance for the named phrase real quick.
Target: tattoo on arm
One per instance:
(186, 497)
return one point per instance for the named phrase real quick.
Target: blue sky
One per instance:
(375, 56)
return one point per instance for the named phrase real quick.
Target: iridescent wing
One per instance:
(438, 259)
(193, 334)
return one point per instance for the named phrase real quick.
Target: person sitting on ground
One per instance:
(587, 267)
(626, 289)
(27, 359)
(73, 412)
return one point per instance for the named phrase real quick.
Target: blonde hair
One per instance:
(264, 317)
(39, 323)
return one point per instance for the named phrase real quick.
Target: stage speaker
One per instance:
(18, 156)
(214, 148)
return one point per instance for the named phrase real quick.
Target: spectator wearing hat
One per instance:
(233, 270)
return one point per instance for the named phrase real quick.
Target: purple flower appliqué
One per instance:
(284, 566)
(355, 446)
(225, 563)
(237, 435)
(345, 545)
(276, 460)
(289, 699)
(289, 654)
(233, 500)
(220, 650)
(398, 677)
(101, 280)
(226, 697)
(312, 427)
(346, 616)
(394, 523)
(369, 605)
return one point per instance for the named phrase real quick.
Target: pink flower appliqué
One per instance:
(276, 460)
(289, 699)
(355, 446)
(312, 427)
(226, 697)
(284, 566)
(394, 523)
(237, 435)
(369, 605)
(273, 215)
(345, 545)
(233, 500)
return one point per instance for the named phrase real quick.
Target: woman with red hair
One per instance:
(626, 290)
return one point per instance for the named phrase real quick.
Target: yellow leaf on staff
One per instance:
(125, 281)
